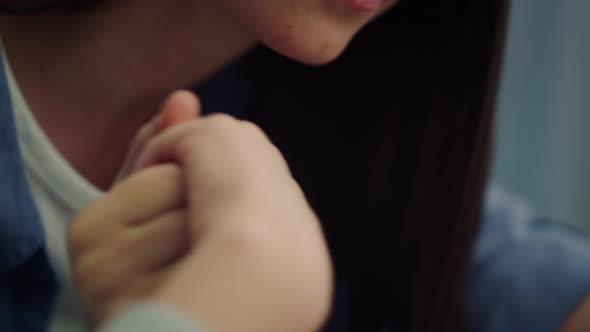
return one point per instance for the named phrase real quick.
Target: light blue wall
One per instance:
(543, 129)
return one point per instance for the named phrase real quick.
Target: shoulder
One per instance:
(528, 273)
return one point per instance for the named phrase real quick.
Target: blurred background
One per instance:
(543, 128)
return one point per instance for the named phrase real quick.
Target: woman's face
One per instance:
(309, 31)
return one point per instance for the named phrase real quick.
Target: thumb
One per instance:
(180, 106)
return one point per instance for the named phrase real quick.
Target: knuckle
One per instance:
(191, 144)
(221, 121)
(161, 143)
(150, 177)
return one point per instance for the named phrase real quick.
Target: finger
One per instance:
(142, 196)
(160, 241)
(142, 136)
(181, 106)
(135, 251)
(168, 145)
(148, 193)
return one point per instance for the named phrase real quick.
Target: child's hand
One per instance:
(257, 259)
(174, 111)
(121, 244)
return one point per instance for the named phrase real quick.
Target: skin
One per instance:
(116, 42)
(230, 223)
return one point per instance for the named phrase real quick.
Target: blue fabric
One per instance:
(528, 273)
(27, 294)
(21, 234)
(27, 282)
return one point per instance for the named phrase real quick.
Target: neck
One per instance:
(91, 79)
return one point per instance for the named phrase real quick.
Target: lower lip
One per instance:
(364, 5)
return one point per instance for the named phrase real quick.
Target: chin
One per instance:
(310, 47)
(315, 55)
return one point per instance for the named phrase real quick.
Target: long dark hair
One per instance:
(391, 145)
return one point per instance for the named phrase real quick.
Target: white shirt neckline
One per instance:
(42, 159)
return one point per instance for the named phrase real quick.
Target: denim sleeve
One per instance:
(527, 273)
(151, 317)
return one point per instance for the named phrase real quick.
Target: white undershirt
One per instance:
(59, 192)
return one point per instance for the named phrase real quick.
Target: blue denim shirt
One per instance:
(527, 273)
(27, 282)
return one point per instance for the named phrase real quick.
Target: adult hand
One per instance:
(258, 260)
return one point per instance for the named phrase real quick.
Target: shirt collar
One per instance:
(21, 233)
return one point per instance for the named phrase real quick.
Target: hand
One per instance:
(257, 259)
(174, 111)
(122, 243)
